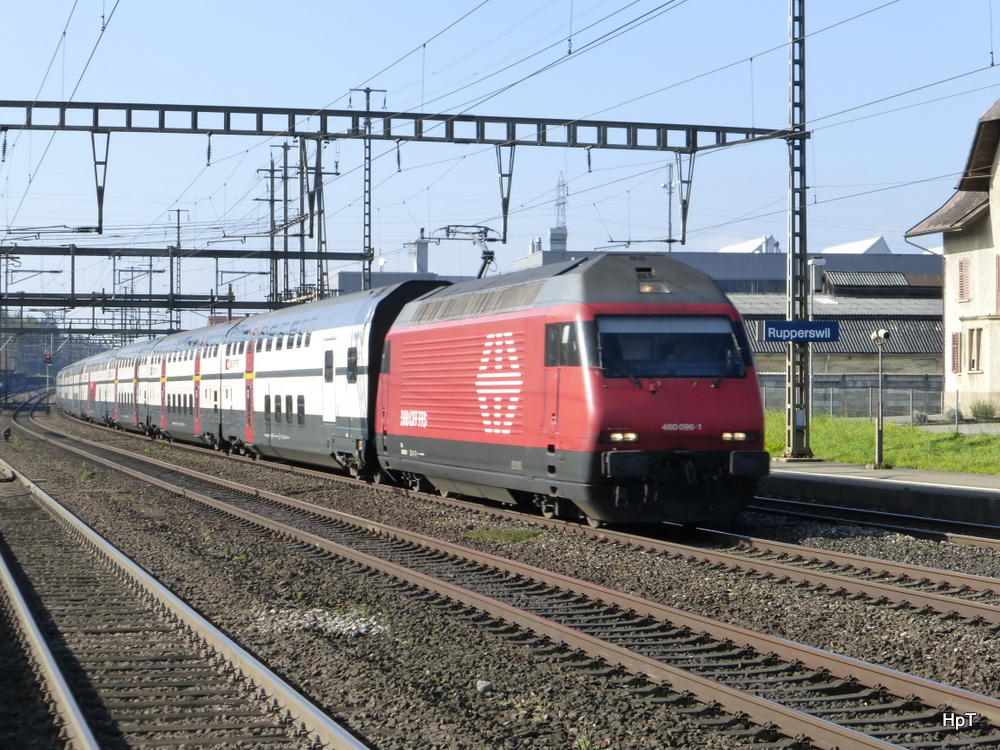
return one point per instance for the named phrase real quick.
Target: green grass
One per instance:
(843, 440)
(502, 535)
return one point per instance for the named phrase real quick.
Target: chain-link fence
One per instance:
(863, 402)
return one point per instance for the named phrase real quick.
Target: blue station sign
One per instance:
(801, 330)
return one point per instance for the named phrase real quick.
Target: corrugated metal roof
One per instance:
(773, 306)
(869, 278)
(916, 324)
(913, 336)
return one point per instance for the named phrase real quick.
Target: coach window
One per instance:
(300, 410)
(352, 364)
(277, 408)
(242, 346)
(278, 343)
(260, 345)
(267, 345)
(328, 366)
(288, 409)
(307, 339)
(267, 408)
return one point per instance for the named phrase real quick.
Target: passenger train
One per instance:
(616, 388)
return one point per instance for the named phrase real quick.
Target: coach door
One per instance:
(163, 391)
(91, 395)
(115, 404)
(135, 392)
(550, 424)
(196, 396)
(329, 381)
(248, 383)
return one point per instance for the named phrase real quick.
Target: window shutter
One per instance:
(963, 279)
(956, 352)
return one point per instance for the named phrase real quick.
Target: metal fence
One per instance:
(863, 402)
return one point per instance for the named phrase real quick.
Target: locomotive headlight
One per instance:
(620, 436)
(740, 437)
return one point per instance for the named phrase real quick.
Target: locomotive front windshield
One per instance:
(670, 346)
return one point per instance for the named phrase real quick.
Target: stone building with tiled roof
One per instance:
(972, 269)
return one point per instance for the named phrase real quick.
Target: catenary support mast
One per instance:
(797, 362)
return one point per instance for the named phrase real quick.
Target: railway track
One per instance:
(124, 664)
(949, 593)
(804, 691)
(938, 529)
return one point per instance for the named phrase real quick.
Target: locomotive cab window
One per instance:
(566, 344)
(669, 346)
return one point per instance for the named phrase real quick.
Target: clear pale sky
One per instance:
(894, 93)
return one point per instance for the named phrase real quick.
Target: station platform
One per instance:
(970, 498)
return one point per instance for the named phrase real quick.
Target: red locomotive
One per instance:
(620, 387)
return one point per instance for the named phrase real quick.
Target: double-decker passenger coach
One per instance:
(616, 388)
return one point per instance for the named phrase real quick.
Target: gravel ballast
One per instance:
(405, 668)
(392, 668)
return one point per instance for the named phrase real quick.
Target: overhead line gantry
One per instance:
(101, 119)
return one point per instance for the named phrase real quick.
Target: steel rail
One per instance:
(914, 572)
(760, 710)
(75, 726)
(303, 712)
(861, 513)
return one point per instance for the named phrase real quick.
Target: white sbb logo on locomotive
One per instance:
(412, 418)
(499, 383)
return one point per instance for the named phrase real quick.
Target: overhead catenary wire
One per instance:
(232, 209)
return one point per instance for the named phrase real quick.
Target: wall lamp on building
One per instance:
(880, 338)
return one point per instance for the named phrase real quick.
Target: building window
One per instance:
(975, 349)
(963, 280)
